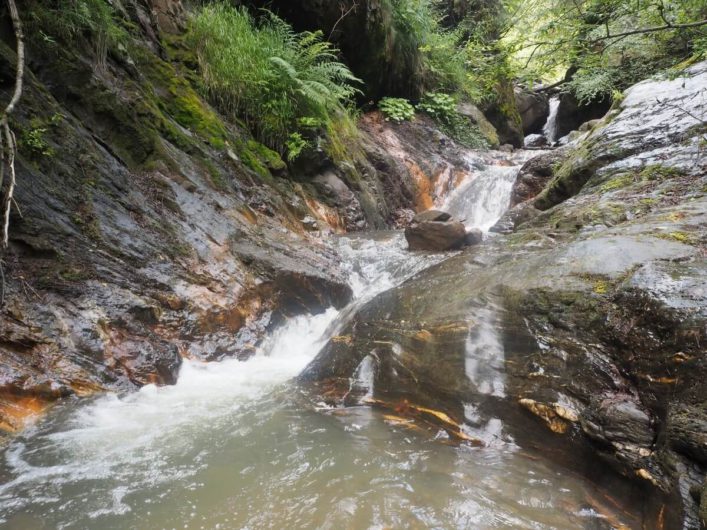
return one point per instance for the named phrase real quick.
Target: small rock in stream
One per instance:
(436, 235)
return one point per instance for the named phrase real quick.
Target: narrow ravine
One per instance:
(237, 445)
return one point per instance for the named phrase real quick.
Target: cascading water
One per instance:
(483, 198)
(550, 127)
(235, 445)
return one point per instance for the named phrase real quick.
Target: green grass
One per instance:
(278, 81)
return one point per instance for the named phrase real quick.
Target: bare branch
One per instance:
(344, 14)
(8, 145)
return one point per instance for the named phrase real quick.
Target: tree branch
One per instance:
(650, 30)
(344, 13)
(8, 144)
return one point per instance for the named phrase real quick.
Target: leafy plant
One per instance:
(462, 130)
(280, 82)
(441, 107)
(295, 144)
(396, 109)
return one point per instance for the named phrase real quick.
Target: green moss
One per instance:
(33, 141)
(174, 95)
(601, 287)
(658, 172)
(259, 158)
(130, 125)
(680, 237)
(215, 175)
(620, 181)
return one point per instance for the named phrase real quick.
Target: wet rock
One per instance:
(535, 174)
(535, 140)
(571, 114)
(135, 244)
(436, 235)
(621, 421)
(643, 131)
(416, 172)
(337, 194)
(687, 431)
(534, 109)
(473, 237)
(431, 215)
(402, 218)
(595, 308)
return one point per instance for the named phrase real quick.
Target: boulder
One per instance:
(431, 215)
(473, 237)
(474, 114)
(534, 109)
(535, 140)
(535, 174)
(436, 235)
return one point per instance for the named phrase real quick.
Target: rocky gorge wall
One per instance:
(149, 228)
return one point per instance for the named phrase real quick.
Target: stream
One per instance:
(239, 445)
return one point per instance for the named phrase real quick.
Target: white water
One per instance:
(550, 127)
(484, 197)
(231, 445)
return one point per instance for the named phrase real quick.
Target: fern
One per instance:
(263, 71)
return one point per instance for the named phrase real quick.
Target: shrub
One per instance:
(396, 109)
(280, 82)
(463, 131)
(441, 107)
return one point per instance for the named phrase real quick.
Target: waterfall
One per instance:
(550, 127)
(484, 197)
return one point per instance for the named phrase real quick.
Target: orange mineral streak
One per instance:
(248, 214)
(326, 214)
(406, 414)
(16, 412)
(423, 185)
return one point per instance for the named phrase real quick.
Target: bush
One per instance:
(441, 107)
(396, 109)
(280, 82)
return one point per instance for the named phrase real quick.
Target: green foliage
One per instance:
(463, 131)
(457, 60)
(396, 109)
(295, 144)
(280, 82)
(602, 40)
(441, 107)
(50, 23)
(33, 141)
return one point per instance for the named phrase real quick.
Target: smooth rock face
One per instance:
(535, 174)
(436, 235)
(650, 133)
